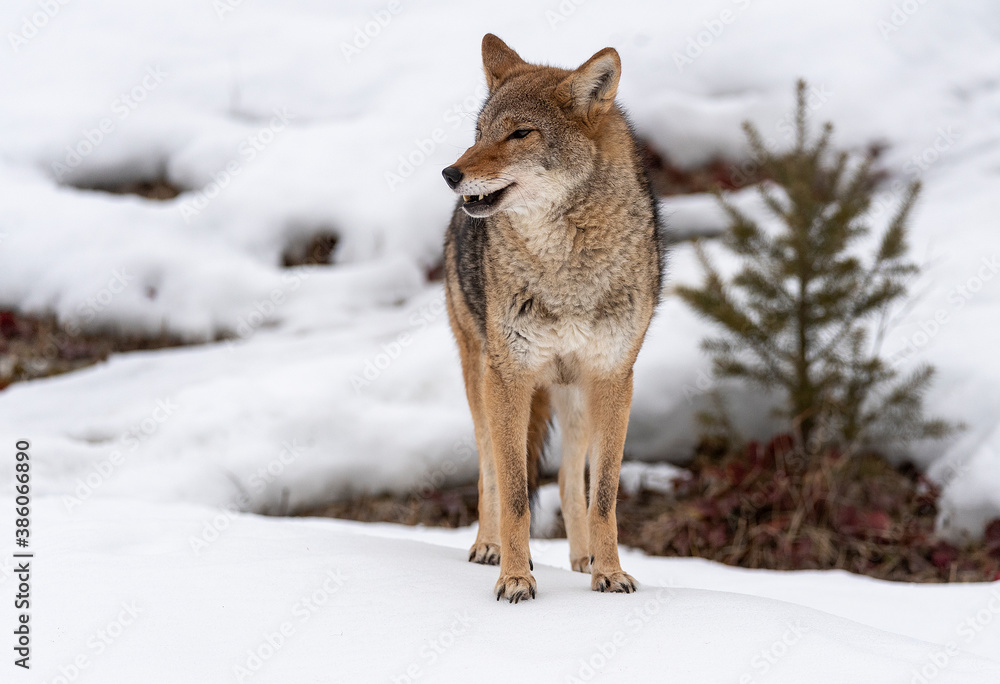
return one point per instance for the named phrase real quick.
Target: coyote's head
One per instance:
(538, 134)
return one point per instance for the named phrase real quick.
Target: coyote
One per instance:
(553, 263)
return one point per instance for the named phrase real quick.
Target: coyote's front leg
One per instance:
(486, 550)
(609, 400)
(508, 406)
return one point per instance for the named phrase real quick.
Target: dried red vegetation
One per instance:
(769, 507)
(718, 174)
(37, 347)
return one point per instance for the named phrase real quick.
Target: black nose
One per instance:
(452, 176)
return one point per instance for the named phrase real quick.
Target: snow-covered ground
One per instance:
(282, 119)
(179, 593)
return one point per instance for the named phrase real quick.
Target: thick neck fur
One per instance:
(593, 215)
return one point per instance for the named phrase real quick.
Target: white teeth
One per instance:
(467, 198)
(481, 196)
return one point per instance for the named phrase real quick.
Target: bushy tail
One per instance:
(538, 430)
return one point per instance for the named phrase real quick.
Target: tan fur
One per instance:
(549, 302)
(538, 428)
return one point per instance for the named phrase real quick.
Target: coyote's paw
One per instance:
(619, 582)
(580, 564)
(485, 553)
(515, 588)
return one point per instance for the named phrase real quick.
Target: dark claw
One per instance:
(531, 566)
(591, 559)
(472, 554)
(532, 592)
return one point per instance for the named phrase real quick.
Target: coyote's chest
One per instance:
(571, 315)
(566, 297)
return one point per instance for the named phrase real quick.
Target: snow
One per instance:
(545, 511)
(692, 216)
(656, 477)
(185, 593)
(283, 120)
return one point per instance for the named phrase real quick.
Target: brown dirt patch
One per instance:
(38, 347)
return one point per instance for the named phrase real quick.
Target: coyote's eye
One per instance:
(519, 133)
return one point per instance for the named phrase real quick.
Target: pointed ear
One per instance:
(590, 91)
(498, 61)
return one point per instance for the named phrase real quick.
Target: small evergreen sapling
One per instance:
(805, 314)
